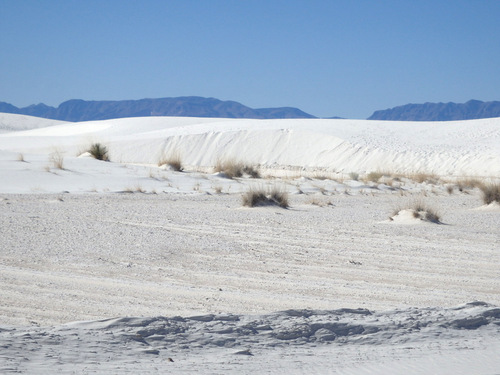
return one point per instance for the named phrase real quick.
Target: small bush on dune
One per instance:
(421, 177)
(318, 202)
(234, 169)
(490, 193)
(468, 183)
(374, 176)
(424, 212)
(251, 171)
(421, 211)
(276, 197)
(57, 159)
(253, 198)
(98, 151)
(279, 197)
(174, 161)
(354, 176)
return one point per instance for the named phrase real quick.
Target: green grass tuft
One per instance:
(99, 151)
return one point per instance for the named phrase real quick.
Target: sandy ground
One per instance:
(91, 257)
(79, 257)
(460, 340)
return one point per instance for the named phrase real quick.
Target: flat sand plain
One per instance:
(72, 257)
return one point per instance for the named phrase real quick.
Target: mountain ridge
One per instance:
(76, 110)
(473, 109)
(188, 106)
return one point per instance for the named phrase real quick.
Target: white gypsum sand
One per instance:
(98, 258)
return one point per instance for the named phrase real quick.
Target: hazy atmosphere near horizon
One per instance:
(328, 58)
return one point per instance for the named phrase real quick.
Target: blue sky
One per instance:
(343, 58)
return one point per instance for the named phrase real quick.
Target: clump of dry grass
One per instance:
(323, 175)
(260, 197)
(354, 176)
(469, 184)
(490, 193)
(20, 157)
(421, 177)
(56, 158)
(422, 211)
(218, 189)
(98, 151)
(235, 169)
(316, 201)
(174, 161)
(374, 176)
(137, 189)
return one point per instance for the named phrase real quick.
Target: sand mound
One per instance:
(493, 206)
(412, 216)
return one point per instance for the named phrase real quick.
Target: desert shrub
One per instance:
(253, 198)
(318, 202)
(374, 176)
(174, 161)
(354, 176)
(57, 159)
(424, 212)
(280, 197)
(421, 177)
(468, 183)
(251, 171)
(490, 193)
(234, 169)
(20, 157)
(420, 211)
(137, 189)
(98, 151)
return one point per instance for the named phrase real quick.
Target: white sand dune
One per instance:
(93, 280)
(444, 148)
(12, 122)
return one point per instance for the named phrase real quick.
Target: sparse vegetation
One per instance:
(259, 197)
(174, 161)
(374, 176)
(234, 169)
(316, 201)
(468, 184)
(98, 151)
(354, 176)
(490, 193)
(20, 157)
(421, 177)
(56, 159)
(137, 189)
(319, 175)
(421, 211)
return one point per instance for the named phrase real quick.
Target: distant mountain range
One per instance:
(473, 109)
(195, 106)
(192, 106)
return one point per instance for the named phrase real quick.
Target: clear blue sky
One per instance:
(329, 58)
